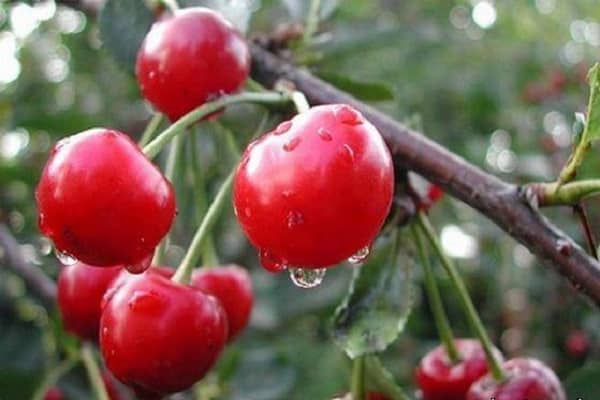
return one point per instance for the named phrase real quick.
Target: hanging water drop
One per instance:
(292, 144)
(282, 128)
(324, 134)
(140, 266)
(307, 277)
(360, 256)
(65, 258)
(270, 262)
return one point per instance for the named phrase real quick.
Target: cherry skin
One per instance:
(439, 379)
(102, 201)
(232, 286)
(316, 190)
(80, 291)
(577, 343)
(54, 393)
(158, 336)
(190, 58)
(527, 379)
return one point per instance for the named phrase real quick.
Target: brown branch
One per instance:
(499, 201)
(581, 213)
(36, 281)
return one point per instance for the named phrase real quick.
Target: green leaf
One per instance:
(367, 91)
(123, 25)
(583, 383)
(379, 301)
(592, 127)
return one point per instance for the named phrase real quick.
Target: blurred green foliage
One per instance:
(496, 82)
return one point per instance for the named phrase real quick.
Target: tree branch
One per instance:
(36, 281)
(501, 202)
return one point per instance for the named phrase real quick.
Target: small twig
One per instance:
(94, 375)
(35, 279)
(579, 210)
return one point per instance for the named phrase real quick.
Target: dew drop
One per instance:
(140, 266)
(282, 128)
(307, 277)
(292, 144)
(65, 258)
(271, 262)
(247, 212)
(360, 256)
(347, 115)
(324, 134)
(294, 218)
(143, 300)
(349, 153)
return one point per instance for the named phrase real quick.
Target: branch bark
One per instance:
(36, 281)
(501, 202)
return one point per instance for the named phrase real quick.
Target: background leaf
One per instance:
(583, 383)
(379, 301)
(592, 130)
(368, 91)
(123, 25)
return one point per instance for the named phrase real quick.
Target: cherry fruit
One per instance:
(440, 379)
(316, 190)
(80, 291)
(231, 285)
(158, 336)
(527, 379)
(54, 393)
(102, 202)
(190, 58)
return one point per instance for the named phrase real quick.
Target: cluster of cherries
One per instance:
(311, 193)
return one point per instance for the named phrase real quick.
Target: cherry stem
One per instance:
(87, 356)
(312, 20)
(435, 300)
(156, 145)
(358, 379)
(579, 210)
(54, 376)
(382, 379)
(300, 101)
(184, 271)
(554, 194)
(150, 129)
(463, 295)
(209, 255)
(170, 168)
(171, 5)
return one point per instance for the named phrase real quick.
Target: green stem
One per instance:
(150, 129)
(382, 379)
(358, 379)
(170, 168)
(155, 146)
(551, 194)
(53, 377)
(312, 20)
(463, 295)
(184, 271)
(209, 255)
(435, 300)
(254, 85)
(300, 101)
(171, 5)
(87, 355)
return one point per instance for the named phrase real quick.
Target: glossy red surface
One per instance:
(528, 379)
(231, 285)
(54, 394)
(316, 190)
(439, 379)
(102, 201)
(190, 58)
(80, 291)
(158, 336)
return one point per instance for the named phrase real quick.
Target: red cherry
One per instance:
(158, 336)
(231, 285)
(54, 393)
(190, 58)
(527, 379)
(577, 343)
(101, 201)
(432, 196)
(439, 379)
(80, 291)
(316, 190)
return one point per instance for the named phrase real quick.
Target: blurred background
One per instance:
(497, 82)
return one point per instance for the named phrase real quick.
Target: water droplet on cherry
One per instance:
(292, 144)
(347, 115)
(271, 262)
(349, 153)
(65, 258)
(324, 134)
(360, 256)
(282, 128)
(307, 278)
(140, 266)
(294, 218)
